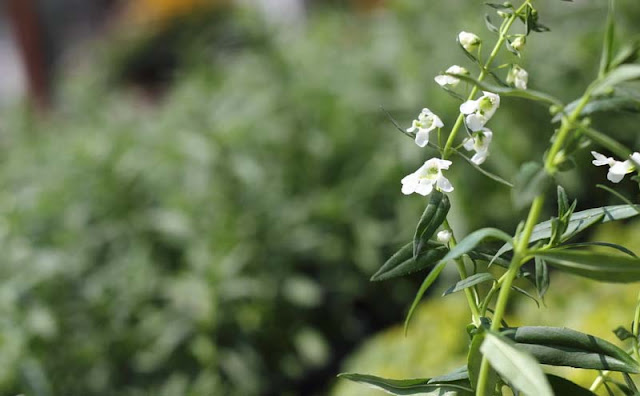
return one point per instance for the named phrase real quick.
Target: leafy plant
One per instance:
(500, 356)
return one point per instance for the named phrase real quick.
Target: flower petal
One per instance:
(601, 159)
(422, 137)
(424, 187)
(475, 122)
(444, 184)
(469, 107)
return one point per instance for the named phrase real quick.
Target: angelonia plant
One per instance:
(503, 359)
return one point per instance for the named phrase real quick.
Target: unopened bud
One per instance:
(469, 41)
(444, 236)
(518, 43)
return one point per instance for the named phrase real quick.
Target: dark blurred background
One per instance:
(194, 193)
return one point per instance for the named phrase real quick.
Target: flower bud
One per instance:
(518, 43)
(503, 14)
(518, 77)
(507, 4)
(469, 41)
(444, 236)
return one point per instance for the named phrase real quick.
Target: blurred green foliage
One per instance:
(219, 241)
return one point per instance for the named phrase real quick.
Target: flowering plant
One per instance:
(504, 359)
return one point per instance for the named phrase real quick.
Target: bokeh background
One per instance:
(194, 193)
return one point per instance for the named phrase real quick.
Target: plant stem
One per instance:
(469, 292)
(635, 329)
(599, 381)
(522, 245)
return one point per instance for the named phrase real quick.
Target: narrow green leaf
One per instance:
(607, 142)
(474, 361)
(428, 281)
(569, 339)
(554, 355)
(472, 240)
(506, 91)
(434, 214)
(603, 244)
(596, 266)
(516, 366)
(531, 181)
(459, 374)
(526, 294)
(581, 221)
(487, 21)
(627, 54)
(607, 45)
(563, 386)
(403, 263)
(617, 102)
(483, 171)
(419, 386)
(622, 333)
(542, 277)
(621, 74)
(470, 281)
(617, 194)
(499, 6)
(563, 201)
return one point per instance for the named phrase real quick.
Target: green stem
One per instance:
(469, 292)
(520, 249)
(635, 329)
(599, 381)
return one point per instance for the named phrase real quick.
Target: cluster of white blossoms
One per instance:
(617, 169)
(477, 113)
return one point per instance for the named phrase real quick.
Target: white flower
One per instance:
(617, 169)
(429, 174)
(426, 122)
(518, 77)
(635, 157)
(469, 41)
(444, 236)
(479, 142)
(444, 79)
(518, 43)
(479, 111)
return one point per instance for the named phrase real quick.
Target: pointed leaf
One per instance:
(554, 355)
(428, 281)
(580, 221)
(403, 263)
(569, 339)
(607, 45)
(409, 386)
(519, 368)
(456, 375)
(623, 73)
(487, 21)
(434, 214)
(474, 361)
(470, 281)
(596, 266)
(617, 102)
(473, 239)
(542, 277)
(482, 170)
(563, 386)
(520, 93)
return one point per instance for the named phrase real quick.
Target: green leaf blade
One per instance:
(433, 216)
(516, 366)
(468, 282)
(596, 266)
